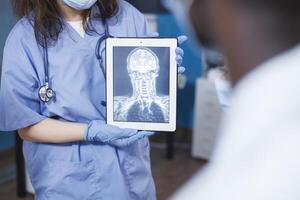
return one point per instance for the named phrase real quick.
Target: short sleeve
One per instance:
(138, 18)
(141, 24)
(19, 101)
(143, 27)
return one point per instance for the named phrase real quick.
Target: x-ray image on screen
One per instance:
(141, 84)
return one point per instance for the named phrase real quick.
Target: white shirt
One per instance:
(258, 153)
(77, 25)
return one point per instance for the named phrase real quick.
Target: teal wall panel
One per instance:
(7, 140)
(7, 21)
(167, 27)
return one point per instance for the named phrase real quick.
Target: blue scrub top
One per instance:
(78, 170)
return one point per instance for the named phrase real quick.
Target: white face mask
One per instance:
(80, 4)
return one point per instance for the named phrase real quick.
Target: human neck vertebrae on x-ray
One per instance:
(144, 104)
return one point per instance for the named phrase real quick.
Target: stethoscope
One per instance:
(46, 93)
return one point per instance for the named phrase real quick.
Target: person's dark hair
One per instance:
(284, 14)
(47, 19)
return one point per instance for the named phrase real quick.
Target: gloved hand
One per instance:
(179, 51)
(99, 131)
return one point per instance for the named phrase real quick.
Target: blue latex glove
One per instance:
(179, 51)
(99, 131)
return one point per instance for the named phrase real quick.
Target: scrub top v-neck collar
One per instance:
(84, 42)
(81, 42)
(78, 26)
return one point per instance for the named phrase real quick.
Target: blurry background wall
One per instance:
(6, 23)
(165, 25)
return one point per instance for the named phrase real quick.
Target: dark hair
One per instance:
(46, 17)
(285, 7)
(285, 14)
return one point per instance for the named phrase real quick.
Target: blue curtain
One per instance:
(167, 27)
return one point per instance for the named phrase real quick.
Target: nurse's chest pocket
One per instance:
(73, 180)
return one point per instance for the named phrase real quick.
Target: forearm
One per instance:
(53, 131)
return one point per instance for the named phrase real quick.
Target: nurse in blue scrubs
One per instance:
(70, 152)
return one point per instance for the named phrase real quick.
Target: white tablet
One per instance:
(141, 83)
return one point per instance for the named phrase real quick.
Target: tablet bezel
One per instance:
(142, 42)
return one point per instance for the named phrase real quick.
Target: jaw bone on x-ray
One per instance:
(144, 104)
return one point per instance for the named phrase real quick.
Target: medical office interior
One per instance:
(171, 154)
(175, 157)
(203, 99)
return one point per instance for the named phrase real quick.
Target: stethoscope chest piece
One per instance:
(46, 93)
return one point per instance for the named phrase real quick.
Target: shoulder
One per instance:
(20, 33)
(274, 80)
(20, 46)
(129, 10)
(270, 91)
(133, 19)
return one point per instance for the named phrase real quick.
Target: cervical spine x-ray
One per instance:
(143, 102)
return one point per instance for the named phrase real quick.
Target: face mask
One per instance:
(80, 4)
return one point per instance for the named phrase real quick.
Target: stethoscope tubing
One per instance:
(47, 86)
(98, 47)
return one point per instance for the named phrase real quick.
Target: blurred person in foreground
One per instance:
(257, 155)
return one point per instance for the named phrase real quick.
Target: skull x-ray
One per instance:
(141, 84)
